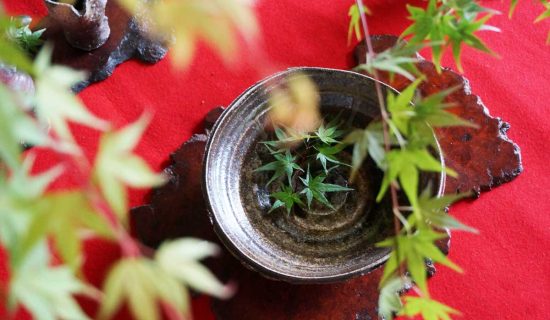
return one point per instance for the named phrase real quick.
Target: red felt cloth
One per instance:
(506, 266)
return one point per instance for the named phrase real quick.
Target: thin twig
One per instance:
(128, 245)
(381, 103)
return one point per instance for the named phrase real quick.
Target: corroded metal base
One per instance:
(484, 157)
(127, 40)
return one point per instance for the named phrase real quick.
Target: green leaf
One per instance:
(286, 198)
(143, 283)
(449, 24)
(434, 211)
(179, 258)
(355, 21)
(56, 104)
(117, 167)
(17, 127)
(328, 154)
(403, 163)
(369, 140)
(389, 302)
(328, 135)
(315, 188)
(218, 23)
(427, 308)
(10, 52)
(513, 5)
(62, 215)
(18, 195)
(20, 33)
(283, 164)
(129, 279)
(545, 14)
(414, 121)
(414, 250)
(399, 59)
(25, 185)
(400, 106)
(408, 177)
(286, 139)
(47, 292)
(114, 289)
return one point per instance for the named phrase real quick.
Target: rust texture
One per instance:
(484, 157)
(126, 40)
(355, 299)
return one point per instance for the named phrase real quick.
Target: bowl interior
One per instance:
(306, 248)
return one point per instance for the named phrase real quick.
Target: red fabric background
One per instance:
(506, 267)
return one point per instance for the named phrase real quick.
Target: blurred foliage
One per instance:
(38, 224)
(43, 230)
(355, 21)
(117, 167)
(403, 145)
(151, 285)
(427, 308)
(544, 15)
(220, 23)
(20, 32)
(295, 106)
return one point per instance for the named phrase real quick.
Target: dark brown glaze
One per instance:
(212, 116)
(484, 157)
(126, 40)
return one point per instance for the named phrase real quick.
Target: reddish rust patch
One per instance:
(484, 157)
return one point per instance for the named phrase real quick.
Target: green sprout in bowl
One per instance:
(301, 165)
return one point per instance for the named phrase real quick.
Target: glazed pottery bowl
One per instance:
(313, 246)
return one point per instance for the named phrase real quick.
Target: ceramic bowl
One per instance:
(311, 247)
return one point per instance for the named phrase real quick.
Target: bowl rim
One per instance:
(248, 261)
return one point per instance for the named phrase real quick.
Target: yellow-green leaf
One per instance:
(179, 258)
(47, 291)
(56, 104)
(219, 23)
(427, 308)
(117, 168)
(143, 284)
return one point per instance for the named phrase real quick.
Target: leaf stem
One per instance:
(385, 119)
(128, 245)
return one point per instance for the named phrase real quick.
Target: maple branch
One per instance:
(381, 103)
